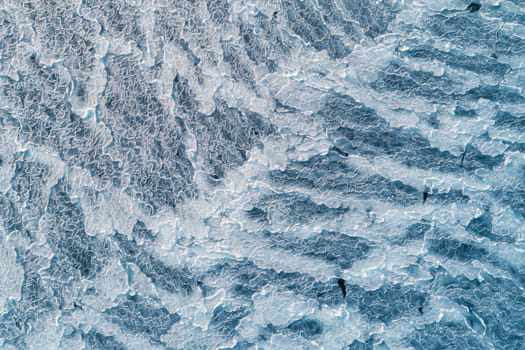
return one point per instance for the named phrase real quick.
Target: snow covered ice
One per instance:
(262, 174)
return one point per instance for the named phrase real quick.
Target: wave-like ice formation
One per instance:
(249, 174)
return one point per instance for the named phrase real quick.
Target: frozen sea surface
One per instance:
(262, 174)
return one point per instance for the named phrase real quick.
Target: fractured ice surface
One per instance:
(248, 174)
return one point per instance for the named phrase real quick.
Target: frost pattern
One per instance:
(292, 174)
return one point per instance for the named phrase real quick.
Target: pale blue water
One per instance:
(249, 174)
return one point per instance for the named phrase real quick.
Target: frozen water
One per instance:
(253, 174)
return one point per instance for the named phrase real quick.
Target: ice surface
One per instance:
(249, 174)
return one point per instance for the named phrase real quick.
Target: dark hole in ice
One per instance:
(341, 284)
(474, 7)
